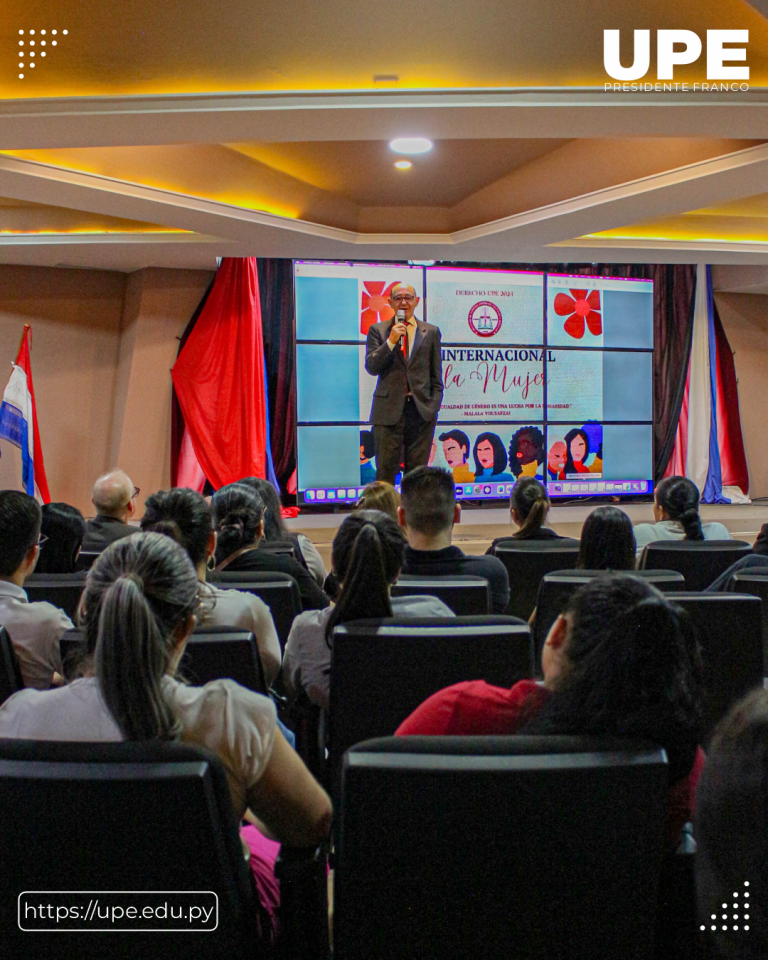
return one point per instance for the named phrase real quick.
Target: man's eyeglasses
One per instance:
(136, 492)
(42, 540)
(406, 297)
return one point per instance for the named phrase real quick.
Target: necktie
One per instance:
(406, 345)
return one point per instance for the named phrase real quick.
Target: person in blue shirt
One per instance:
(490, 459)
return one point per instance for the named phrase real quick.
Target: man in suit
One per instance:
(405, 355)
(114, 497)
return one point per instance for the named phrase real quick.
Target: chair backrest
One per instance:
(86, 559)
(282, 548)
(215, 653)
(700, 561)
(61, 589)
(466, 596)
(278, 590)
(757, 585)
(10, 674)
(147, 817)
(556, 588)
(381, 670)
(730, 633)
(527, 562)
(524, 847)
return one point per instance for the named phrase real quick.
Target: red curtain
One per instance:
(219, 377)
(733, 461)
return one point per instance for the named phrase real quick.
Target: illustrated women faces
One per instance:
(526, 452)
(568, 457)
(490, 458)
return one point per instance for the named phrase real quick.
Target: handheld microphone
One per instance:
(401, 319)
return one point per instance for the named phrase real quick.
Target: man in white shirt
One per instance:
(34, 628)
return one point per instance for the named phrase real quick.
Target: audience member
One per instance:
(141, 600)
(755, 562)
(380, 495)
(275, 530)
(34, 628)
(427, 513)
(184, 515)
(114, 497)
(64, 528)
(620, 660)
(528, 508)
(607, 541)
(731, 831)
(676, 515)
(368, 553)
(238, 516)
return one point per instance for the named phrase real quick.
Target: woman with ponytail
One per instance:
(621, 660)
(141, 603)
(366, 557)
(676, 512)
(528, 507)
(238, 517)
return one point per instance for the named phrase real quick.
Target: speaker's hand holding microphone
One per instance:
(399, 329)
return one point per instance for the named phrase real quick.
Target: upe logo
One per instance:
(677, 47)
(485, 319)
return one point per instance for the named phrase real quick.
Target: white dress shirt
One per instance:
(35, 630)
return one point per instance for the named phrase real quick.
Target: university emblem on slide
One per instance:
(485, 319)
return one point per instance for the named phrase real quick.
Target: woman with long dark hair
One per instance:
(577, 451)
(528, 507)
(620, 660)
(676, 515)
(64, 528)
(184, 515)
(490, 459)
(368, 553)
(141, 604)
(238, 518)
(526, 453)
(275, 530)
(607, 541)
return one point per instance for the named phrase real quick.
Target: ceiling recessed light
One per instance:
(403, 164)
(410, 145)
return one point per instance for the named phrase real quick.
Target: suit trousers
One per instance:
(410, 436)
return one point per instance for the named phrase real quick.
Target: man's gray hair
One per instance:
(112, 492)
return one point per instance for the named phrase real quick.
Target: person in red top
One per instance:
(620, 660)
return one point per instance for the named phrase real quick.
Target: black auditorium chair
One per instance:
(278, 590)
(215, 653)
(730, 632)
(381, 670)
(150, 817)
(61, 589)
(465, 595)
(757, 585)
(281, 548)
(700, 561)
(527, 561)
(86, 559)
(524, 847)
(556, 588)
(10, 674)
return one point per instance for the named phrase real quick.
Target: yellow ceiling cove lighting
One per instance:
(403, 164)
(410, 145)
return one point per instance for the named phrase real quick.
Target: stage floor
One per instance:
(480, 525)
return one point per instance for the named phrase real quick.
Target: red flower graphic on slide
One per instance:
(375, 303)
(581, 306)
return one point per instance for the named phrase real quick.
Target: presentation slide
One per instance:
(527, 359)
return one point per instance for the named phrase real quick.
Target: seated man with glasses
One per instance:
(404, 353)
(34, 628)
(114, 497)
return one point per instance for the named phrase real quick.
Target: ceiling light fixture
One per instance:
(403, 164)
(410, 145)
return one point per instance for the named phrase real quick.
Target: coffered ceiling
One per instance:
(170, 134)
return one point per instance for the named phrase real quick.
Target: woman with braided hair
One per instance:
(367, 557)
(238, 518)
(676, 512)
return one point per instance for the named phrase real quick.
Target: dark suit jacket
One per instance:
(425, 373)
(101, 531)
